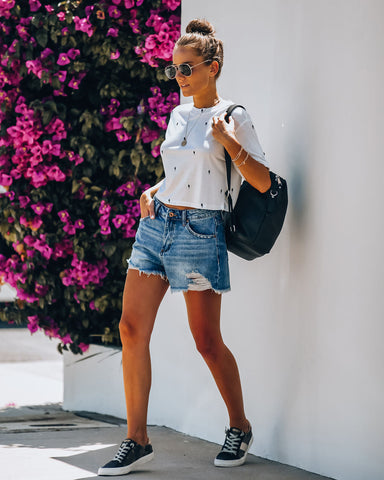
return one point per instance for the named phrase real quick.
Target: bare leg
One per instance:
(204, 320)
(141, 299)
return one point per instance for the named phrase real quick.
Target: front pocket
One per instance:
(202, 227)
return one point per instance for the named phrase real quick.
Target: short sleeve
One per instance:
(246, 135)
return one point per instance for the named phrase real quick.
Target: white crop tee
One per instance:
(195, 173)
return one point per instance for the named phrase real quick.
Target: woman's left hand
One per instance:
(223, 131)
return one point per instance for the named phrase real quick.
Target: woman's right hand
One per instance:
(147, 204)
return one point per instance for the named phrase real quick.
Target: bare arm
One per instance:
(253, 171)
(147, 207)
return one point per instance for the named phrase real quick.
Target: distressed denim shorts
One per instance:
(185, 247)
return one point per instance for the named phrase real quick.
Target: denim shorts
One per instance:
(185, 247)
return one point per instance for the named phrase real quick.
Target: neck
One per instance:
(206, 101)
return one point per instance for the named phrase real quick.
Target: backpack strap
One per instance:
(228, 164)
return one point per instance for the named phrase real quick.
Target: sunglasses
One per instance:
(183, 68)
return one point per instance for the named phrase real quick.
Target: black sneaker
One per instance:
(129, 456)
(235, 448)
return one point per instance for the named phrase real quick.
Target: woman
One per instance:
(180, 243)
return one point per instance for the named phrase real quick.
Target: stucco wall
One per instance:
(306, 322)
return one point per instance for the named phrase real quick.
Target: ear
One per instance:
(214, 68)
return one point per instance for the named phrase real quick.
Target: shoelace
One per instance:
(232, 442)
(123, 449)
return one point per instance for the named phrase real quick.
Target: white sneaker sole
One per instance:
(233, 463)
(128, 468)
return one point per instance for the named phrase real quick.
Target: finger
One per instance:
(151, 209)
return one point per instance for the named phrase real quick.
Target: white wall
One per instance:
(306, 322)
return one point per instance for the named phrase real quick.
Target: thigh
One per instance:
(203, 309)
(141, 299)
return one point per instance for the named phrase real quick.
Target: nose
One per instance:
(179, 75)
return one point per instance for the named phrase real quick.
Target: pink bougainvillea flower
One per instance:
(134, 24)
(123, 136)
(64, 215)
(35, 223)
(34, 5)
(38, 208)
(74, 83)
(69, 228)
(79, 224)
(105, 230)
(104, 208)
(63, 59)
(119, 220)
(155, 151)
(66, 339)
(24, 201)
(41, 290)
(84, 25)
(115, 55)
(5, 180)
(148, 135)
(33, 323)
(22, 31)
(54, 173)
(113, 32)
(45, 53)
(83, 347)
(114, 12)
(61, 75)
(73, 53)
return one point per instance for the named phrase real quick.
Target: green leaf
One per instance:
(42, 38)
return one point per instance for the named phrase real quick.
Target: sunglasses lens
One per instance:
(170, 72)
(185, 69)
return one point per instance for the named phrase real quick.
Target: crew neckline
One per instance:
(207, 109)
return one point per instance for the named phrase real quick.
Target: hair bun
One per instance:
(201, 26)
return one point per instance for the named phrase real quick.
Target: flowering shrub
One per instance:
(83, 114)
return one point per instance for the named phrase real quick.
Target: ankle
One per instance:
(142, 440)
(244, 425)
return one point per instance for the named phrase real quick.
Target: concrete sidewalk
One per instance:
(45, 443)
(40, 441)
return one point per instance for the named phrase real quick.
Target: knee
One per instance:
(209, 348)
(131, 334)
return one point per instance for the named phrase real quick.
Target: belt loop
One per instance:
(184, 216)
(157, 205)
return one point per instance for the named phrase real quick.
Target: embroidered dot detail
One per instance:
(177, 123)
(209, 172)
(221, 190)
(189, 186)
(194, 152)
(202, 204)
(206, 123)
(253, 126)
(174, 168)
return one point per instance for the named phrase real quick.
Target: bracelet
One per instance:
(243, 162)
(238, 155)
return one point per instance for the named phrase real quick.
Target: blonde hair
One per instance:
(200, 35)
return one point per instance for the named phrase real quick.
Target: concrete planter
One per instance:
(93, 382)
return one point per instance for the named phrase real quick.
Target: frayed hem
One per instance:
(184, 290)
(148, 274)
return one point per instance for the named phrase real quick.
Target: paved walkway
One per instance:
(39, 441)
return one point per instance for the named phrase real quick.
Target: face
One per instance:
(202, 75)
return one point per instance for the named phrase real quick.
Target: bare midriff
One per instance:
(177, 207)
